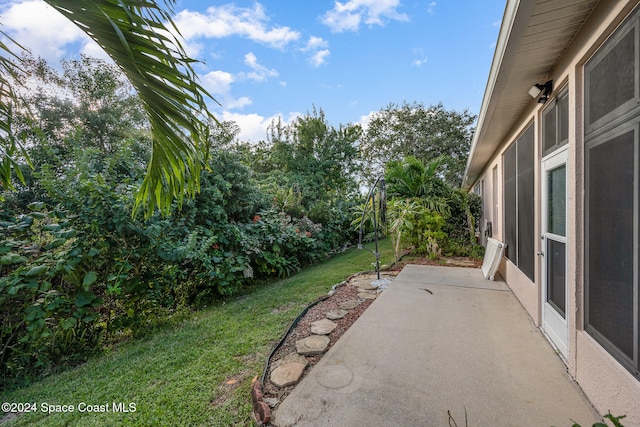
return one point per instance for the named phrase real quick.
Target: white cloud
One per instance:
(317, 47)
(229, 20)
(253, 127)
(350, 15)
(218, 84)
(237, 103)
(260, 73)
(192, 48)
(365, 120)
(43, 30)
(431, 8)
(319, 58)
(93, 50)
(422, 59)
(315, 43)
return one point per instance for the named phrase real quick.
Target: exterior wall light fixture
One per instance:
(544, 89)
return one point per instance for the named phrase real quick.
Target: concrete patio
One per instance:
(439, 340)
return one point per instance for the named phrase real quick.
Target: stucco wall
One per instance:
(525, 290)
(609, 387)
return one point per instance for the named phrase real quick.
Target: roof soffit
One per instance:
(535, 35)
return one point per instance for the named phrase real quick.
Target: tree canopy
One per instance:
(426, 133)
(139, 37)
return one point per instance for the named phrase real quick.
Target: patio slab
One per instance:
(439, 340)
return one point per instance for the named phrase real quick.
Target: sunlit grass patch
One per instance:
(195, 370)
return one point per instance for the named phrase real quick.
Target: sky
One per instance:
(269, 59)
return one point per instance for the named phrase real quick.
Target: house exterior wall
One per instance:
(524, 289)
(608, 385)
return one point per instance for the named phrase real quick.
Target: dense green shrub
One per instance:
(80, 270)
(466, 210)
(335, 219)
(441, 220)
(49, 306)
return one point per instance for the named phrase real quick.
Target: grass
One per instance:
(194, 372)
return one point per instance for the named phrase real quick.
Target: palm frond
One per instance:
(11, 147)
(139, 36)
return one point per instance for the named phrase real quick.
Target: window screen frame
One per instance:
(558, 112)
(632, 364)
(621, 120)
(619, 114)
(518, 211)
(510, 205)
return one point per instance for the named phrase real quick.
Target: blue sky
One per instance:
(271, 59)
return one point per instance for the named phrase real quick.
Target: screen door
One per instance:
(554, 250)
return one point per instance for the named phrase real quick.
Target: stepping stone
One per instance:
(287, 374)
(362, 282)
(348, 305)
(368, 295)
(312, 345)
(366, 284)
(290, 358)
(336, 314)
(288, 370)
(322, 327)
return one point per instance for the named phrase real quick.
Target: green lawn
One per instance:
(195, 373)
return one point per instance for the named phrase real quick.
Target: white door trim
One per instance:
(554, 325)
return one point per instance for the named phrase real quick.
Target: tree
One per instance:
(426, 133)
(223, 135)
(91, 96)
(320, 159)
(106, 108)
(410, 179)
(138, 36)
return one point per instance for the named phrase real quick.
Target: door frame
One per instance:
(553, 324)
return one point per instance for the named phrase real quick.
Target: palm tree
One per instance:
(138, 36)
(410, 178)
(401, 214)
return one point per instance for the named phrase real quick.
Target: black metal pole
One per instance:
(371, 196)
(375, 231)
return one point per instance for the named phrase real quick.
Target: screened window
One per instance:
(496, 206)
(519, 203)
(555, 124)
(510, 218)
(612, 211)
(611, 79)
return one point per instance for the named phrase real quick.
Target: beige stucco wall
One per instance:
(525, 290)
(608, 385)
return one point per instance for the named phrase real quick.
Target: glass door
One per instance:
(554, 250)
